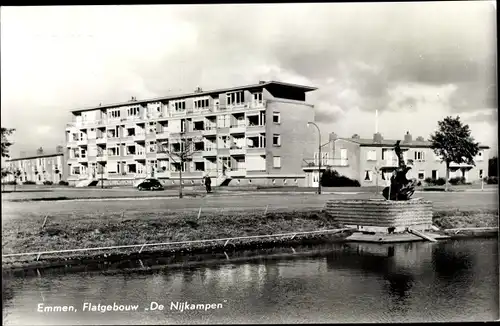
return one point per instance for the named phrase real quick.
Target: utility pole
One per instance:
(319, 158)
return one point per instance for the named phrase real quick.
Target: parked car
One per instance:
(150, 184)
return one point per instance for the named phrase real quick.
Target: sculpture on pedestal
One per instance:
(400, 188)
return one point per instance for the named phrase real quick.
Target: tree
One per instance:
(179, 155)
(5, 142)
(5, 148)
(453, 142)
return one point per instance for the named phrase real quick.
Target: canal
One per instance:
(411, 282)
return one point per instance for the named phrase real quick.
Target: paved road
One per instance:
(441, 201)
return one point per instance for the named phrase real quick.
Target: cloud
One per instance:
(389, 57)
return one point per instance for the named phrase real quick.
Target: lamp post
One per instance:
(319, 156)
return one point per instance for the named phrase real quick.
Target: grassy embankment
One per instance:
(89, 230)
(95, 230)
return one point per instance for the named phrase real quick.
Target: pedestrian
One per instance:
(208, 184)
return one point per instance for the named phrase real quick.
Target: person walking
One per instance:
(208, 184)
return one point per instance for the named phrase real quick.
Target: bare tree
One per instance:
(180, 151)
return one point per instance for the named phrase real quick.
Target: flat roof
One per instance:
(367, 142)
(196, 94)
(33, 157)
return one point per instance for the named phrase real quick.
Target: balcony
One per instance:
(256, 150)
(139, 137)
(101, 140)
(325, 163)
(140, 156)
(73, 159)
(140, 175)
(238, 172)
(209, 131)
(82, 142)
(83, 159)
(237, 151)
(162, 134)
(238, 129)
(258, 104)
(102, 157)
(178, 113)
(210, 151)
(256, 128)
(162, 174)
(162, 155)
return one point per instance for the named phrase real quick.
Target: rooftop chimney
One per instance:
(262, 81)
(407, 137)
(377, 138)
(39, 151)
(59, 149)
(332, 136)
(355, 136)
(198, 90)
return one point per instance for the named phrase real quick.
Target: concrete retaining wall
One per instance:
(380, 215)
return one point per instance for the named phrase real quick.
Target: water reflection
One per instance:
(335, 283)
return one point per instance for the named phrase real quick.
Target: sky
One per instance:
(415, 63)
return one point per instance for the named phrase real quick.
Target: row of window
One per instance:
(369, 175)
(114, 167)
(419, 156)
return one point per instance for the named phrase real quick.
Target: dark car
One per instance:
(150, 184)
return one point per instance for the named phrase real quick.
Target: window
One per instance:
(479, 156)
(277, 162)
(235, 98)
(276, 140)
(276, 117)
(133, 112)
(371, 155)
(419, 156)
(179, 106)
(201, 103)
(421, 175)
(437, 157)
(151, 147)
(75, 170)
(115, 113)
(257, 97)
(480, 174)
(368, 175)
(199, 166)
(152, 127)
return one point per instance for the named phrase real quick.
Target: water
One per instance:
(418, 282)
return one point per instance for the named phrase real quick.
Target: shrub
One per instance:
(9, 183)
(429, 180)
(491, 180)
(419, 183)
(29, 182)
(331, 178)
(440, 182)
(63, 183)
(48, 183)
(457, 181)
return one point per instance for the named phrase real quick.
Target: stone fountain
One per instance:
(395, 218)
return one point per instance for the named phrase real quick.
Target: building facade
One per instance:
(248, 135)
(372, 161)
(39, 168)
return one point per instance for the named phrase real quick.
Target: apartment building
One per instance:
(40, 167)
(248, 135)
(372, 161)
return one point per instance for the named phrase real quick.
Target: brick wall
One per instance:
(380, 213)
